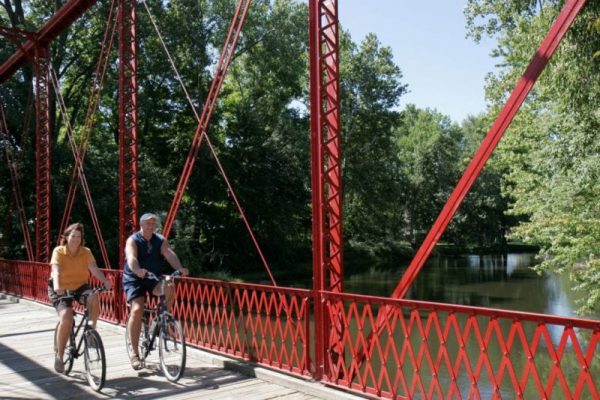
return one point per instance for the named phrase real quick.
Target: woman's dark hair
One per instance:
(73, 227)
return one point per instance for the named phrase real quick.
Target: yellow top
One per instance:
(72, 270)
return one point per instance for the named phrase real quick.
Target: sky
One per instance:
(443, 69)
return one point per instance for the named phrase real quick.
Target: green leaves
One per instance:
(550, 151)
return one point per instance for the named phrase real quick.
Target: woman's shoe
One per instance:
(136, 363)
(59, 366)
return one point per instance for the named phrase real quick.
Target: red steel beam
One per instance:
(225, 59)
(128, 122)
(56, 25)
(520, 92)
(326, 146)
(16, 35)
(326, 169)
(317, 209)
(42, 154)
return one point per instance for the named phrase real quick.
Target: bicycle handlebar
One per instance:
(152, 275)
(71, 293)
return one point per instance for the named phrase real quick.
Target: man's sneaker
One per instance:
(59, 366)
(136, 363)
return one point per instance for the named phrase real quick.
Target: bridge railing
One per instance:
(259, 323)
(424, 350)
(264, 324)
(432, 350)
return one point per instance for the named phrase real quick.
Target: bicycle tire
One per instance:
(142, 343)
(171, 349)
(94, 359)
(69, 355)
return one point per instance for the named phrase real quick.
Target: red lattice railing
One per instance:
(433, 350)
(264, 324)
(423, 350)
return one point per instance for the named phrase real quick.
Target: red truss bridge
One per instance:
(387, 347)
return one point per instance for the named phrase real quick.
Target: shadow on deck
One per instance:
(26, 368)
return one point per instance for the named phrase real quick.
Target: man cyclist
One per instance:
(143, 252)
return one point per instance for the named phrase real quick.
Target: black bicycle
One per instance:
(86, 341)
(165, 329)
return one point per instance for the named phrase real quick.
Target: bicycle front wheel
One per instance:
(69, 355)
(95, 360)
(171, 349)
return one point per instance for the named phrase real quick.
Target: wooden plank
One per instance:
(27, 367)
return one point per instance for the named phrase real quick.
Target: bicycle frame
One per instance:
(161, 312)
(75, 332)
(171, 338)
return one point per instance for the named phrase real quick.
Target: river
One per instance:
(504, 281)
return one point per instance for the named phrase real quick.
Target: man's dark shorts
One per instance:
(62, 302)
(135, 288)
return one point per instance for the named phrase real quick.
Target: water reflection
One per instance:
(496, 281)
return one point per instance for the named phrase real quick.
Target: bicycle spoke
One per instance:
(172, 349)
(95, 362)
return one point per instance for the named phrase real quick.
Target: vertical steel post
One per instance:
(326, 168)
(42, 154)
(128, 123)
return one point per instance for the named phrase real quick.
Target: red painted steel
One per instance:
(386, 347)
(489, 143)
(14, 178)
(79, 168)
(42, 155)
(128, 123)
(222, 66)
(434, 350)
(326, 139)
(92, 106)
(17, 36)
(326, 166)
(317, 190)
(260, 323)
(316, 167)
(225, 58)
(56, 25)
(426, 350)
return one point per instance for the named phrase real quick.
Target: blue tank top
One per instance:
(148, 254)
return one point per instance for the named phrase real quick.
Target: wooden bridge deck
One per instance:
(26, 368)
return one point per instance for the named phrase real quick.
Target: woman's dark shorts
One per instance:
(61, 302)
(135, 288)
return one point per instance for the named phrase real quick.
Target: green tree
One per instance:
(371, 86)
(551, 148)
(481, 221)
(261, 135)
(428, 147)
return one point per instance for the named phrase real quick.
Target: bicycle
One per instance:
(93, 349)
(165, 327)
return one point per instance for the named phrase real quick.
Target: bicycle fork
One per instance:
(151, 332)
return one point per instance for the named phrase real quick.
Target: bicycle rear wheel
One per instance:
(171, 349)
(95, 360)
(69, 354)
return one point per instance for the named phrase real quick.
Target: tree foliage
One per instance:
(551, 151)
(399, 167)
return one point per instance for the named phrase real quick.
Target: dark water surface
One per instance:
(496, 281)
